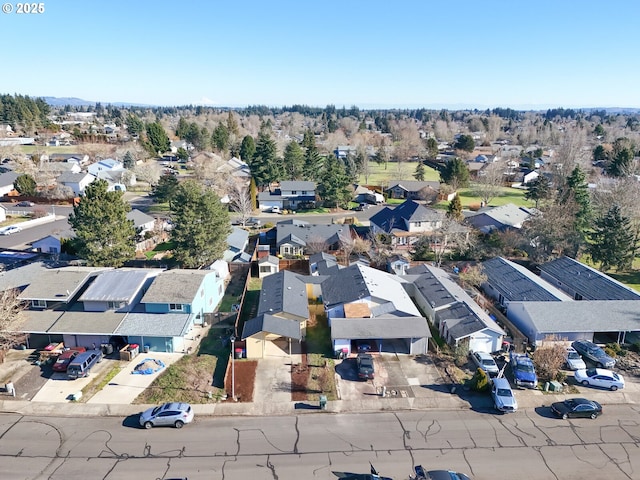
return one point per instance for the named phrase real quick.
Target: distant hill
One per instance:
(79, 102)
(62, 101)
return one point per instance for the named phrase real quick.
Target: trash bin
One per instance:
(146, 348)
(238, 353)
(323, 402)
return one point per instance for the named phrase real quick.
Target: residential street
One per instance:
(311, 446)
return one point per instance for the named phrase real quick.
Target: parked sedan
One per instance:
(574, 360)
(364, 361)
(25, 203)
(168, 414)
(10, 229)
(599, 377)
(576, 408)
(594, 353)
(486, 363)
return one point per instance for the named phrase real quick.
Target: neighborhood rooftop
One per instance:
(116, 285)
(584, 282)
(175, 286)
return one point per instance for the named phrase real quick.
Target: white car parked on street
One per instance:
(599, 377)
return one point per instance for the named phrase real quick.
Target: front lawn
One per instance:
(379, 175)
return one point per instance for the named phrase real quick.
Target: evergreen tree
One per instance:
(232, 124)
(128, 161)
(432, 148)
(419, 173)
(182, 154)
(220, 137)
(293, 161)
(265, 167)
(313, 161)
(333, 184)
(183, 128)
(135, 126)
(166, 188)
(578, 189)
(25, 185)
(538, 189)
(622, 158)
(466, 143)
(201, 225)
(454, 211)
(247, 148)
(612, 240)
(253, 191)
(104, 235)
(455, 173)
(157, 138)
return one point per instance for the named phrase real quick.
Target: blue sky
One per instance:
(456, 53)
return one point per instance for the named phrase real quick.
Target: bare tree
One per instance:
(549, 359)
(473, 276)
(149, 172)
(11, 317)
(489, 183)
(449, 237)
(240, 201)
(316, 245)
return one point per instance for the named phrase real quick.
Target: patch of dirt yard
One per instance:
(245, 378)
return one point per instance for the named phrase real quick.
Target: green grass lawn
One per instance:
(161, 247)
(379, 175)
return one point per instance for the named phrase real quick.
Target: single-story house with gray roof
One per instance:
(569, 321)
(504, 217)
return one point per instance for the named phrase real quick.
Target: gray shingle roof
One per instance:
(356, 282)
(516, 283)
(379, 328)
(22, 276)
(155, 324)
(139, 218)
(305, 234)
(36, 321)
(283, 292)
(176, 286)
(413, 185)
(499, 218)
(389, 219)
(585, 316)
(88, 323)
(461, 321)
(296, 185)
(272, 324)
(69, 177)
(58, 284)
(586, 281)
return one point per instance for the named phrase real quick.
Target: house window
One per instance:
(219, 289)
(293, 192)
(286, 249)
(265, 268)
(38, 303)
(176, 306)
(418, 224)
(115, 305)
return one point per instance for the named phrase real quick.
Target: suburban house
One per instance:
(88, 307)
(406, 223)
(6, 183)
(49, 244)
(296, 237)
(113, 172)
(237, 169)
(322, 263)
(5, 130)
(237, 242)
(527, 175)
(398, 264)
(268, 265)
(77, 158)
(509, 282)
(504, 217)
(77, 182)
(56, 168)
(582, 282)
(282, 315)
(365, 304)
(142, 222)
(569, 321)
(449, 307)
(362, 194)
(414, 190)
(289, 195)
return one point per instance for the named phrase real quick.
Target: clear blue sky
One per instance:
(453, 53)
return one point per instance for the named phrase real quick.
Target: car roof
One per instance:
(483, 355)
(175, 406)
(501, 382)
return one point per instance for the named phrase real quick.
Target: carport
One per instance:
(407, 335)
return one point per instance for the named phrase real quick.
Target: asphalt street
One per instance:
(311, 446)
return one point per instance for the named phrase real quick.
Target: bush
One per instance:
(635, 347)
(613, 349)
(480, 381)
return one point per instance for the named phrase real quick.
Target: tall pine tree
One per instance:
(612, 241)
(104, 235)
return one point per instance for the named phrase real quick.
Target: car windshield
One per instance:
(616, 376)
(574, 355)
(525, 368)
(598, 352)
(504, 392)
(156, 410)
(488, 361)
(591, 372)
